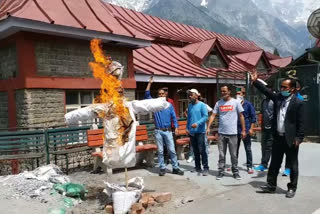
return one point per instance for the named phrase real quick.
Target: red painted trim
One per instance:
(130, 66)
(176, 101)
(26, 57)
(71, 83)
(59, 83)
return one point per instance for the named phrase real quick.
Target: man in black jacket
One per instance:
(287, 130)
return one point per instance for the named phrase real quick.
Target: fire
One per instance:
(110, 85)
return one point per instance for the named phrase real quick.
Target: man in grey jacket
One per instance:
(267, 138)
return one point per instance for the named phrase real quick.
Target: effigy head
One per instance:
(116, 69)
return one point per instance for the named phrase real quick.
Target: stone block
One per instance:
(145, 199)
(136, 207)
(151, 202)
(162, 197)
(109, 209)
(43, 107)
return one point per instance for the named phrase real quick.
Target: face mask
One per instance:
(239, 98)
(285, 93)
(192, 100)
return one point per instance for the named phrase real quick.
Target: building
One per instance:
(44, 55)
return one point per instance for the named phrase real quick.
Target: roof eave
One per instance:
(178, 79)
(12, 25)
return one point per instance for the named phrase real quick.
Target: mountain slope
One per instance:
(183, 11)
(266, 22)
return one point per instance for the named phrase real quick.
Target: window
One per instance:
(262, 67)
(183, 104)
(214, 60)
(80, 99)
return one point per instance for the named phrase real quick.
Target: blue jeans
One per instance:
(199, 150)
(247, 147)
(166, 138)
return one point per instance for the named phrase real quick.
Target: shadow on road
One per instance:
(257, 184)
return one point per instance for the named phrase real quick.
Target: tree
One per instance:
(276, 52)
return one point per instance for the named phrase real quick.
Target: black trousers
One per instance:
(279, 148)
(266, 146)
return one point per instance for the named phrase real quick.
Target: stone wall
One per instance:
(40, 107)
(71, 60)
(130, 94)
(8, 62)
(4, 110)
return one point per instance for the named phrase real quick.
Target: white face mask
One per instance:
(239, 98)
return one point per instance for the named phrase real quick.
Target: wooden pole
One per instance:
(126, 175)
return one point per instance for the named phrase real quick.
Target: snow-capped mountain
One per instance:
(137, 5)
(204, 3)
(271, 24)
(293, 12)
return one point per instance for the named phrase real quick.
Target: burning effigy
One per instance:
(117, 113)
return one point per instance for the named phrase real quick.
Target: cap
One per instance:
(194, 91)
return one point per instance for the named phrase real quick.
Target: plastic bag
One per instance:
(75, 190)
(57, 211)
(71, 190)
(122, 201)
(123, 198)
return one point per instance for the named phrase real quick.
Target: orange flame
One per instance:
(110, 84)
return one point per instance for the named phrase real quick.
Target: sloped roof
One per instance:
(164, 60)
(200, 49)
(271, 56)
(85, 14)
(251, 58)
(282, 62)
(161, 28)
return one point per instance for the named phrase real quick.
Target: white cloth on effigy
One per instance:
(115, 155)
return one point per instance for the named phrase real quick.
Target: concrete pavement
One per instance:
(232, 196)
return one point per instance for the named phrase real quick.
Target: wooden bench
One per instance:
(258, 128)
(183, 140)
(17, 145)
(146, 150)
(64, 141)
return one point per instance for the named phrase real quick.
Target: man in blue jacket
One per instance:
(196, 128)
(163, 134)
(250, 119)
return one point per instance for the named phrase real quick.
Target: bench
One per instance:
(183, 140)
(18, 145)
(146, 150)
(257, 129)
(65, 141)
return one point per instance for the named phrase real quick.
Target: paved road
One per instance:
(231, 196)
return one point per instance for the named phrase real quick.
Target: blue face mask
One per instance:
(285, 93)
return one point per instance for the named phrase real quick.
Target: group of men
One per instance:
(282, 131)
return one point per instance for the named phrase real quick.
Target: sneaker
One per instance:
(205, 172)
(260, 168)
(250, 171)
(236, 176)
(290, 193)
(162, 172)
(177, 171)
(190, 159)
(286, 172)
(267, 189)
(220, 176)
